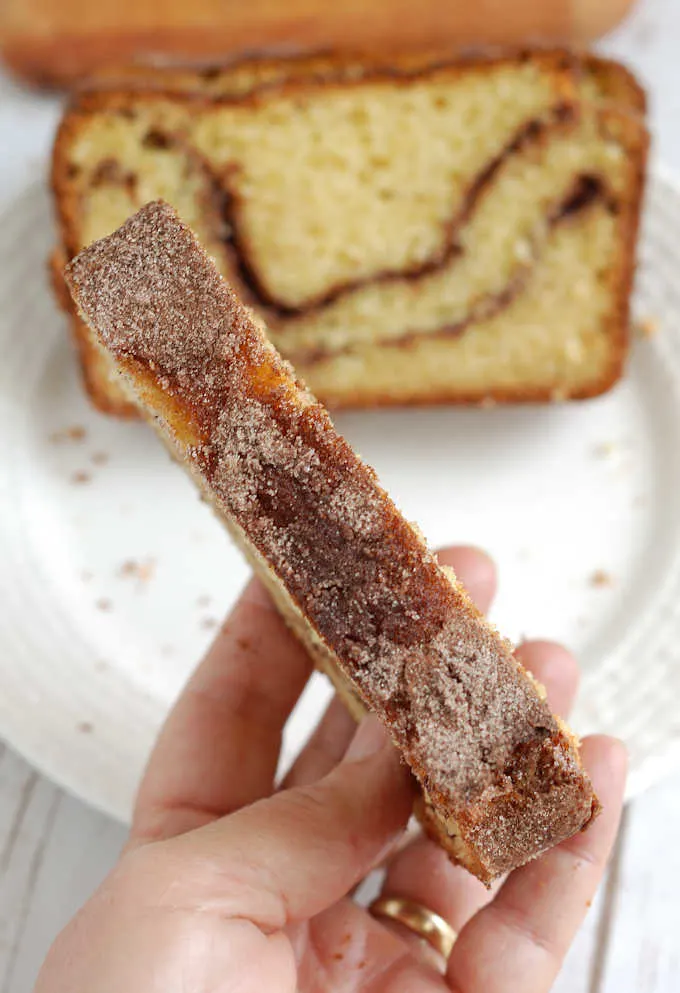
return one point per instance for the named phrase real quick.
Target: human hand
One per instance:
(229, 885)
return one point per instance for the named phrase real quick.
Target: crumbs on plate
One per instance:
(74, 433)
(647, 327)
(142, 571)
(601, 578)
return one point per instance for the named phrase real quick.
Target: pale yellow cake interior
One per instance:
(349, 203)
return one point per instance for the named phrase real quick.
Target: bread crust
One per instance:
(54, 44)
(295, 76)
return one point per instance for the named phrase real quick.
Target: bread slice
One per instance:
(427, 232)
(500, 775)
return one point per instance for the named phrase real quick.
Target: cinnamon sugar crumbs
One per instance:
(99, 458)
(647, 327)
(605, 449)
(601, 578)
(146, 570)
(80, 477)
(85, 727)
(142, 571)
(74, 433)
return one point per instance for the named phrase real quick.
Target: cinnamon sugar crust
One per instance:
(501, 777)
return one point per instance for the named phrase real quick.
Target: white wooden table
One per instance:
(54, 850)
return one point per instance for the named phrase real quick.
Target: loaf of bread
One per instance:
(500, 775)
(427, 232)
(59, 41)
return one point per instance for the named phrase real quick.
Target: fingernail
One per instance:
(370, 738)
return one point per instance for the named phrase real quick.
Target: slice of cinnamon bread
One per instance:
(500, 775)
(432, 232)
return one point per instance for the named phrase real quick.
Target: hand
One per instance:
(228, 885)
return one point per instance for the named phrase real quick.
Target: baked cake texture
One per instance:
(500, 775)
(424, 232)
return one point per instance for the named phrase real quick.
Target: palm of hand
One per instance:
(228, 886)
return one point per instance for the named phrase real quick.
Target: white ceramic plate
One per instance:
(113, 574)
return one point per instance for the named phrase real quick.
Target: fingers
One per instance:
(296, 853)
(519, 940)
(325, 748)
(219, 748)
(345, 949)
(421, 871)
(231, 714)
(476, 571)
(555, 668)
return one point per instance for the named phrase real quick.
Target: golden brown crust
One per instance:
(481, 740)
(613, 81)
(295, 76)
(616, 84)
(54, 44)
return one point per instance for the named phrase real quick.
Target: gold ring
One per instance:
(429, 926)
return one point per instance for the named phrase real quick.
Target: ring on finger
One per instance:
(422, 921)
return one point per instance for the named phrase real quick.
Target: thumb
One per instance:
(288, 857)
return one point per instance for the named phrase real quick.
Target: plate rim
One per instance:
(70, 778)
